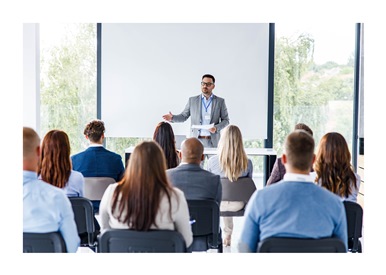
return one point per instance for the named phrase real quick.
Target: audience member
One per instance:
(144, 199)
(231, 162)
(295, 206)
(55, 164)
(333, 167)
(195, 182)
(97, 161)
(164, 136)
(46, 208)
(278, 169)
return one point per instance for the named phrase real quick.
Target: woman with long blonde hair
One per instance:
(144, 199)
(333, 167)
(230, 162)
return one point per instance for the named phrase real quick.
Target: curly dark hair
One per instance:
(94, 130)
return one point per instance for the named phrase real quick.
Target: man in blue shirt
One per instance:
(46, 208)
(294, 207)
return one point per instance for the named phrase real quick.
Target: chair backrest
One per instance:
(84, 218)
(94, 187)
(125, 240)
(354, 216)
(296, 245)
(205, 218)
(179, 139)
(43, 243)
(240, 190)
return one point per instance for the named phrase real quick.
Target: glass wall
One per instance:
(313, 82)
(314, 79)
(68, 79)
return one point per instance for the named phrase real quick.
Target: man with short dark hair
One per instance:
(294, 207)
(204, 109)
(278, 169)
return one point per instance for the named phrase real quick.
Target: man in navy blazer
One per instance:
(97, 161)
(204, 109)
(195, 182)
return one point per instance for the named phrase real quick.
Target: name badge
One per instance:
(207, 116)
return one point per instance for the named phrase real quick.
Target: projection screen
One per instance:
(149, 69)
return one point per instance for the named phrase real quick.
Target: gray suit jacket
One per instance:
(195, 182)
(219, 115)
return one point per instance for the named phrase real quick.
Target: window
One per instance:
(68, 79)
(314, 80)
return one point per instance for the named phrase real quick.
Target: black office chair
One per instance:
(354, 215)
(51, 242)
(131, 241)
(296, 245)
(205, 217)
(85, 221)
(240, 190)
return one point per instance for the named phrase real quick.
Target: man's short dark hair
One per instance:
(210, 76)
(299, 149)
(94, 130)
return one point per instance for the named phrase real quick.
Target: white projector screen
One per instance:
(149, 69)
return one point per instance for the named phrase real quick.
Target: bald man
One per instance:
(46, 208)
(195, 182)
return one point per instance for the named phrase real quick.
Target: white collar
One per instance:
(298, 177)
(95, 145)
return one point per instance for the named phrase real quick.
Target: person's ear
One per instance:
(38, 151)
(313, 159)
(284, 158)
(202, 157)
(180, 154)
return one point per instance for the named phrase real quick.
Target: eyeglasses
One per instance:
(207, 84)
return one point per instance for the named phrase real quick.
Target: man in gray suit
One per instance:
(194, 181)
(204, 109)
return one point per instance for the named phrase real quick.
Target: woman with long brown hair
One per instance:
(164, 136)
(55, 164)
(144, 199)
(333, 167)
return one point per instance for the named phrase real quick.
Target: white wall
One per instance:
(31, 76)
(151, 69)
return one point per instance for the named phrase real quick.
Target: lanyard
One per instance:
(206, 106)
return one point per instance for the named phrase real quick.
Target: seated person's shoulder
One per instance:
(113, 154)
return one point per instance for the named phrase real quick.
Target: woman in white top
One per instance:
(333, 169)
(231, 162)
(144, 199)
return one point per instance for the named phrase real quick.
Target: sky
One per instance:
(334, 41)
(14, 13)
